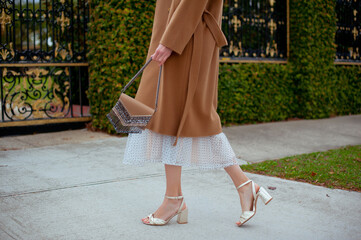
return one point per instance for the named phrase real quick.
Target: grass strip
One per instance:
(337, 168)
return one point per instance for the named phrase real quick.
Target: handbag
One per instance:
(130, 115)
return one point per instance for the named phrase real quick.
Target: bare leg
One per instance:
(170, 206)
(245, 193)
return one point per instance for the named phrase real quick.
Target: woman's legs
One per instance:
(245, 193)
(173, 188)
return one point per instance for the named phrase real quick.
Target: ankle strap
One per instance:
(249, 180)
(179, 197)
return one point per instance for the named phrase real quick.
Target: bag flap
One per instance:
(135, 107)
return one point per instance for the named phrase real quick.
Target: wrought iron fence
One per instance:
(348, 33)
(255, 30)
(43, 65)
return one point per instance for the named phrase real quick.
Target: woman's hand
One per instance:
(161, 54)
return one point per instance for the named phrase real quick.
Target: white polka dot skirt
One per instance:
(210, 152)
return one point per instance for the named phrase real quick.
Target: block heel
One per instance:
(183, 216)
(264, 195)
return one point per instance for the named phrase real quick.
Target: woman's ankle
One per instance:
(248, 187)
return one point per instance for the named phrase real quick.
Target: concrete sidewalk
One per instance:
(73, 185)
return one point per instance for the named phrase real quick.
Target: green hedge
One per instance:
(250, 93)
(308, 86)
(312, 34)
(346, 90)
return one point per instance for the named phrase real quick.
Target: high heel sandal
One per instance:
(182, 215)
(266, 198)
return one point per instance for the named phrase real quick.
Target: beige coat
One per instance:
(187, 105)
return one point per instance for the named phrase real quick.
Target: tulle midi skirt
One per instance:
(210, 152)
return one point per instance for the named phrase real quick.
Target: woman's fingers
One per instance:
(155, 55)
(162, 58)
(161, 54)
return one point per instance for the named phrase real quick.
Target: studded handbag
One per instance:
(130, 115)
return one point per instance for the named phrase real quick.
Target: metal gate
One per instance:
(256, 30)
(43, 65)
(348, 33)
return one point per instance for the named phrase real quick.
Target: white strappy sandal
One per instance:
(266, 198)
(182, 215)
